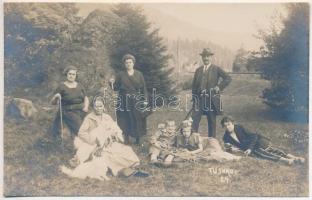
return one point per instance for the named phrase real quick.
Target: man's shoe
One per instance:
(291, 161)
(299, 160)
(137, 141)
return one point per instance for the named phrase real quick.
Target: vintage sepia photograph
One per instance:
(161, 99)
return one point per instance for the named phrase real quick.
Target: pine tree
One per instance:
(285, 62)
(33, 32)
(140, 40)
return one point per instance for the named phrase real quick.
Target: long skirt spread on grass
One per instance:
(212, 152)
(114, 156)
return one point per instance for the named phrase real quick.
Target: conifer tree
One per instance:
(141, 40)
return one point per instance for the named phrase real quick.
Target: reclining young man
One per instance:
(237, 138)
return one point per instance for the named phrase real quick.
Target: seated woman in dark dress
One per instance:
(74, 103)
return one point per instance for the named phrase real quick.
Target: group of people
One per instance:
(102, 145)
(168, 145)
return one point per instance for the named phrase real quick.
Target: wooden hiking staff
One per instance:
(112, 81)
(61, 117)
(185, 118)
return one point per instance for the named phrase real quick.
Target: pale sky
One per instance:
(227, 24)
(237, 17)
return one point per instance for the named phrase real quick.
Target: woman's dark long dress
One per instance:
(72, 105)
(132, 93)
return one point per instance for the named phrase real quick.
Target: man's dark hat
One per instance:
(207, 51)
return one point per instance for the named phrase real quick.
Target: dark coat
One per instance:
(135, 84)
(214, 74)
(129, 118)
(247, 139)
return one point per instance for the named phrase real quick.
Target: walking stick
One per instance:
(61, 117)
(104, 94)
(186, 117)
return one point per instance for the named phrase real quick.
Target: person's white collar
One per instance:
(206, 67)
(234, 136)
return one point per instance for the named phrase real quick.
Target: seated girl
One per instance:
(237, 138)
(100, 148)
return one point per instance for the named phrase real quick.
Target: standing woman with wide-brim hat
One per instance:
(132, 97)
(74, 104)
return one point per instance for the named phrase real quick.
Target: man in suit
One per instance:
(208, 81)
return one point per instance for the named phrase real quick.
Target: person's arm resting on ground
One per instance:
(199, 142)
(253, 138)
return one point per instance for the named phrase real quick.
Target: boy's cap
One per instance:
(161, 126)
(170, 123)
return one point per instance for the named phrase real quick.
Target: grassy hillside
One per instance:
(31, 162)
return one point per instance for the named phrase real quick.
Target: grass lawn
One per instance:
(31, 164)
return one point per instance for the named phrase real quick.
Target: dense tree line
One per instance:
(240, 61)
(32, 33)
(186, 52)
(146, 45)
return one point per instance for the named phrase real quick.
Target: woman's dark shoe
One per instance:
(141, 174)
(127, 141)
(137, 141)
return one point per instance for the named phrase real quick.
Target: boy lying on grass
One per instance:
(237, 139)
